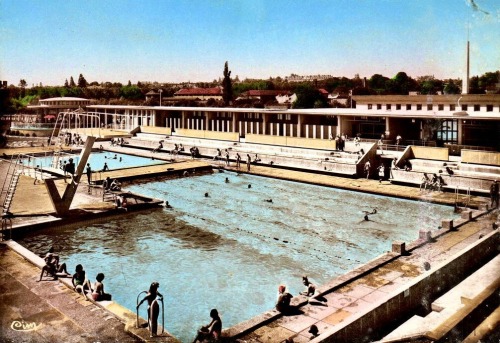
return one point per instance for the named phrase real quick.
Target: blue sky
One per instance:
(190, 40)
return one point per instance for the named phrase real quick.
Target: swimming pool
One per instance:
(97, 160)
(231, 249)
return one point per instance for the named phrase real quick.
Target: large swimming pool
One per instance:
(97, 160)
(231, 249)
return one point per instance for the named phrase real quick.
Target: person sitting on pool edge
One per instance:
(105, 168)
(80, 282)
(212, 331)
(98, 293)
(52, 266)
(284, 298)
(310, 287)
(115, 185)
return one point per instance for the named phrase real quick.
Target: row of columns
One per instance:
(255, 127)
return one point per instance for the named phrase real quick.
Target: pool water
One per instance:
(231, 249)
(97, 160)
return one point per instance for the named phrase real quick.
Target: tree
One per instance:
(400, 84)
(82, 83)
(72, 82)
(488, 80)
(227, 87)
(23, 84)
(131, 93)
(378, 82)
(129, 83)
(66, 84)
(451, 87)
(309, 97)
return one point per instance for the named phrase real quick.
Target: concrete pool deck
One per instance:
(19, 276)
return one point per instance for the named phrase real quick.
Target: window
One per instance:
(408, 107)
(440, 107)
(489, 108)
(464, 107)
(398, 106)
(429, 107)
(452, 107)
(379, 106)
(388, 106)
(370, 106)
(419, 107)
(288, 117)
(477, 108)
(448, 132)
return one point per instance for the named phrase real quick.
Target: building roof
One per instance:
(268, 92)
(199, 91)
(64, 98)
(428, 99)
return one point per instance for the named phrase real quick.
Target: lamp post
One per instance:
(160, 90)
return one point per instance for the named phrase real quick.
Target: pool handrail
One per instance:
(137, 308)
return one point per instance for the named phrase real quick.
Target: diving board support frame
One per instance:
(62, 204)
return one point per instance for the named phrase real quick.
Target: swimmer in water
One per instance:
(367, 213)
(227, 180)
(206, 195)
(269, 200)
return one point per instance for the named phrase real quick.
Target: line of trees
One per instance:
(14, 98)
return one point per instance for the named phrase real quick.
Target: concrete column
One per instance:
(322, 131)
(314, 131)
(387, 128)
(264, 123)
(299, 125)
(271, 127)
(460, 131)
(307, 130)
(284, 129)
(183, 120)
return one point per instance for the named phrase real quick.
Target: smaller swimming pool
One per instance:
(97, 160)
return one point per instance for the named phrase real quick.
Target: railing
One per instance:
(21, 126)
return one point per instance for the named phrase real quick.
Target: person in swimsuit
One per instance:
(212, 331)
(79, 280)
(152, 298)
(98, 294)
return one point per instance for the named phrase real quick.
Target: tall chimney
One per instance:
(465, 82)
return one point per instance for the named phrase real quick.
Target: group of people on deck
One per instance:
(81, 284)
(284, 306)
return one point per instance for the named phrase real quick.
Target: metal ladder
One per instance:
(10, 183)
(57, 137)
(9, 186)
(467, 198)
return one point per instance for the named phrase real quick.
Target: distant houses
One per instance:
(269, 96)
(199, 93)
